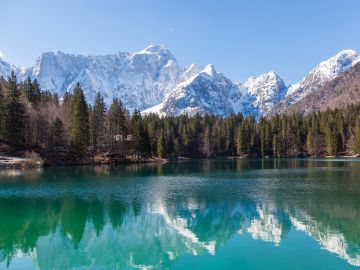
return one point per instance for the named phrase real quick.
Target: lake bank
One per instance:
(33, 160)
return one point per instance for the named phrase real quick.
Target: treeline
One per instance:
(36, 119)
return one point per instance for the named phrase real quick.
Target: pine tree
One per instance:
(80, 128)
(206, 143)
(276, 146)
(356, 142)
(32, 91)
(140, 137)
(116, 119)
(262, 139)
(13, 114)
(176, 147)
(2, 101)
(239, 141)
(310, 139)
(97, 121)
(57, 132)
(332, 138)
(161, 145)
(37, 93)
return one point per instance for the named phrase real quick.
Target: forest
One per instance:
(69, 128)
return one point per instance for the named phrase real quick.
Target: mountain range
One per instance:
(153, 81)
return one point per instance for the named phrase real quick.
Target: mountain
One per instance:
(152, 80)
(5, 68)
(265, 95)
(267, 90)
(342, 91)
(206, 92)
(211, 92)
(325, 72)
(139, 79)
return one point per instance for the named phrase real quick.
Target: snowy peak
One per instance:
(205, 92)
(5, 68)
(268, 83)
(324, 72)
(209, 70)
(151, 58)
(339, 63)
(141, 79)
(159, 50)
(261, 93)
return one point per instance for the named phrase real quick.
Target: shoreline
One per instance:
(23, 163)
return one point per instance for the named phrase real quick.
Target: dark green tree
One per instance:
(32, 91)
(117, 122)
(140, 137)
(57, 132)
(97, 121)
(356, 142)
(80, 128)
(2, 103)
(13, 114)
(161, 145)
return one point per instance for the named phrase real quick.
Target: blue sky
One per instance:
(241, 38)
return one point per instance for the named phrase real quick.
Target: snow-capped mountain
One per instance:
(5, 68)
(259, 96)
(139, 79)
(267, 90)
(206, 92)
(153, 81)
(326, 71)
(211, 92)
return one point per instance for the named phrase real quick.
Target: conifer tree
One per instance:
(310, 142)
(80, 128)
(116, 118)
(276, 146)
(13, 114)
(32, 91)
(161, 145)
(240, 141)
(2, 101)
(57, 132)
(206, 143)
(356, 142)
(332, 139)
(176, 147)
(140, 137)
(97, 121)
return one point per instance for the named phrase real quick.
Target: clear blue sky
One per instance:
(241, 38)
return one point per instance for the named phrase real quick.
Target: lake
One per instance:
(207, 214)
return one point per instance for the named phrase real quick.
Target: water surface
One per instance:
(240, 214)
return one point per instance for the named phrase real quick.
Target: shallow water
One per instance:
(239, 214)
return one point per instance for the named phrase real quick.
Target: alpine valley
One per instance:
(152, 81)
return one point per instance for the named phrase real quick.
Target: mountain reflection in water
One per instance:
(148, 216)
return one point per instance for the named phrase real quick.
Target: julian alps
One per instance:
(211, 92)
(139, 79)
(153, 81)
(264, 95)
(340, 92)
(206, 92)
(325, 72)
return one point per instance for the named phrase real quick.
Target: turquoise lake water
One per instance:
(235, 214)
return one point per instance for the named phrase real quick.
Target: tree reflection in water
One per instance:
(149, 215)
